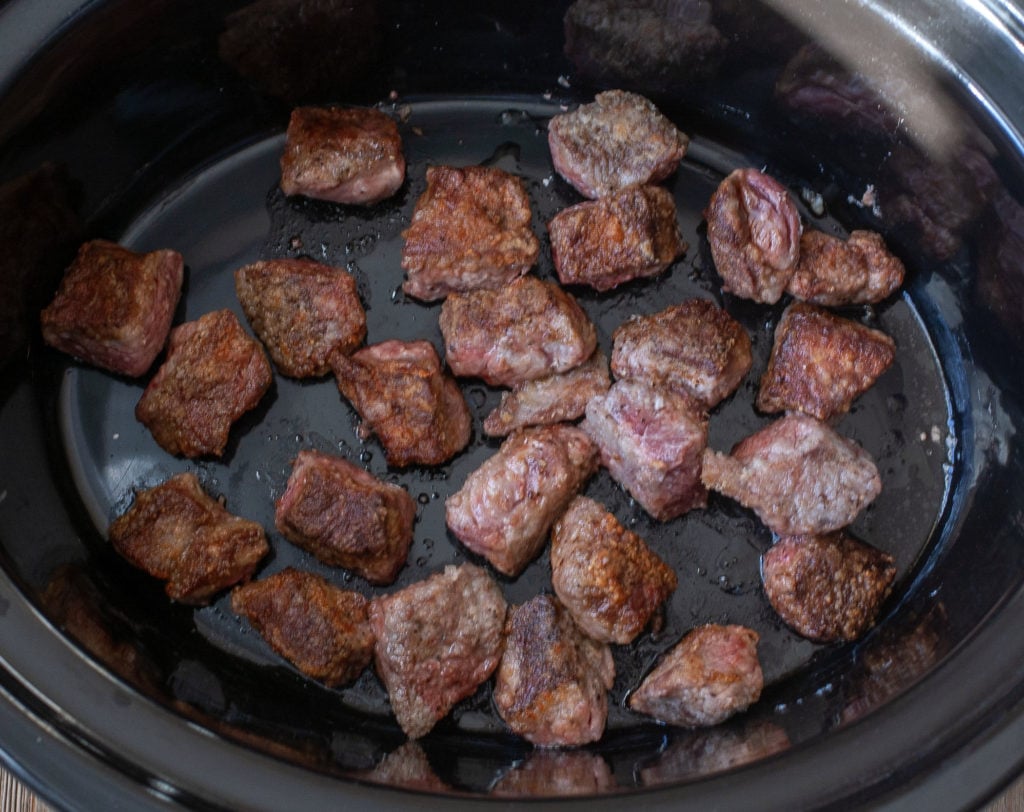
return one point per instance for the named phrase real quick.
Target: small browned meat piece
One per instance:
(651, 441)
(470, 229)
(406, 399)
(527, 330)
(436, 641)
(827, 587)
(710, 675)
(618, 140)
(693, 347)
(821, 362)
(346, 517)
(302, 311)
(835, 272)
(214, 373)
(114, 307)
(551, 687)
(344, 155)
(556, 774)
(555, 399)
(507, 505)
(323, 630)
(754, 234)
(407, 767)
(611, 582)
(178, 534)
(797, 475)
(631, 234)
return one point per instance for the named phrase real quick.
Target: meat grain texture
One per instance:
(834, 272)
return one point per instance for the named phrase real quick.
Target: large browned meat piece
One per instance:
(834, 272)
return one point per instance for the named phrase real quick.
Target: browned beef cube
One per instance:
(470, 229)
(507, 505)
(302, 311)
(694, 347)
(616, 141)
(404, 397)
(345, 155)
(214, 373)
(711, 674)
(631, 234)
(556, 773)
(436, 641)
(323, 630)
(178, 534)
(797, 475)
(553, 681)
(527, 330)
(827, 587)
(114, 307)
(835, 272)
(651, 441)
(346, 517)
(821, 362)
(611, 582)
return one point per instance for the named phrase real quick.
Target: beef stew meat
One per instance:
(343, 155)
(798, 475)
(606, 576)
(470, 229)
(710, 675)
(552, 684)
(302, 311)
(114, 306)
(323, 630)
(651, 441)
(829, 587)
(505, 508)
(346, 517)
(833, 272)
(436, 641)
(214, 373)
(630, 234)
(527, 330)
(821, 362)
(618, 140)
(404, 397)
(754, 233)
(177, 533)
(693, 347)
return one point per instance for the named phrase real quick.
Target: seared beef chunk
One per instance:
(470, 229)
(406, 399)
(214, 373)
(323, 630)
(693, 347)
(827, 587)
(345, 155)
(556, 774)
(630, 234)
(611, 582)
(651, 441)
(797, 475)
(178, 534)
(835, 272)
(114, 307)
(302, 311)
(711, 674)
(551, 687)
(527, 330)
(821, 362)
(754, 233)
(618, 140)
(346, 517)
(554, 399)
(436, 641)
(507, 505)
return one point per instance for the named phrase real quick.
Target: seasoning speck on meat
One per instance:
(114, 307)
(834, 272)
(214, 373)
(436, 641)
(179, 534)
(321, 629)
